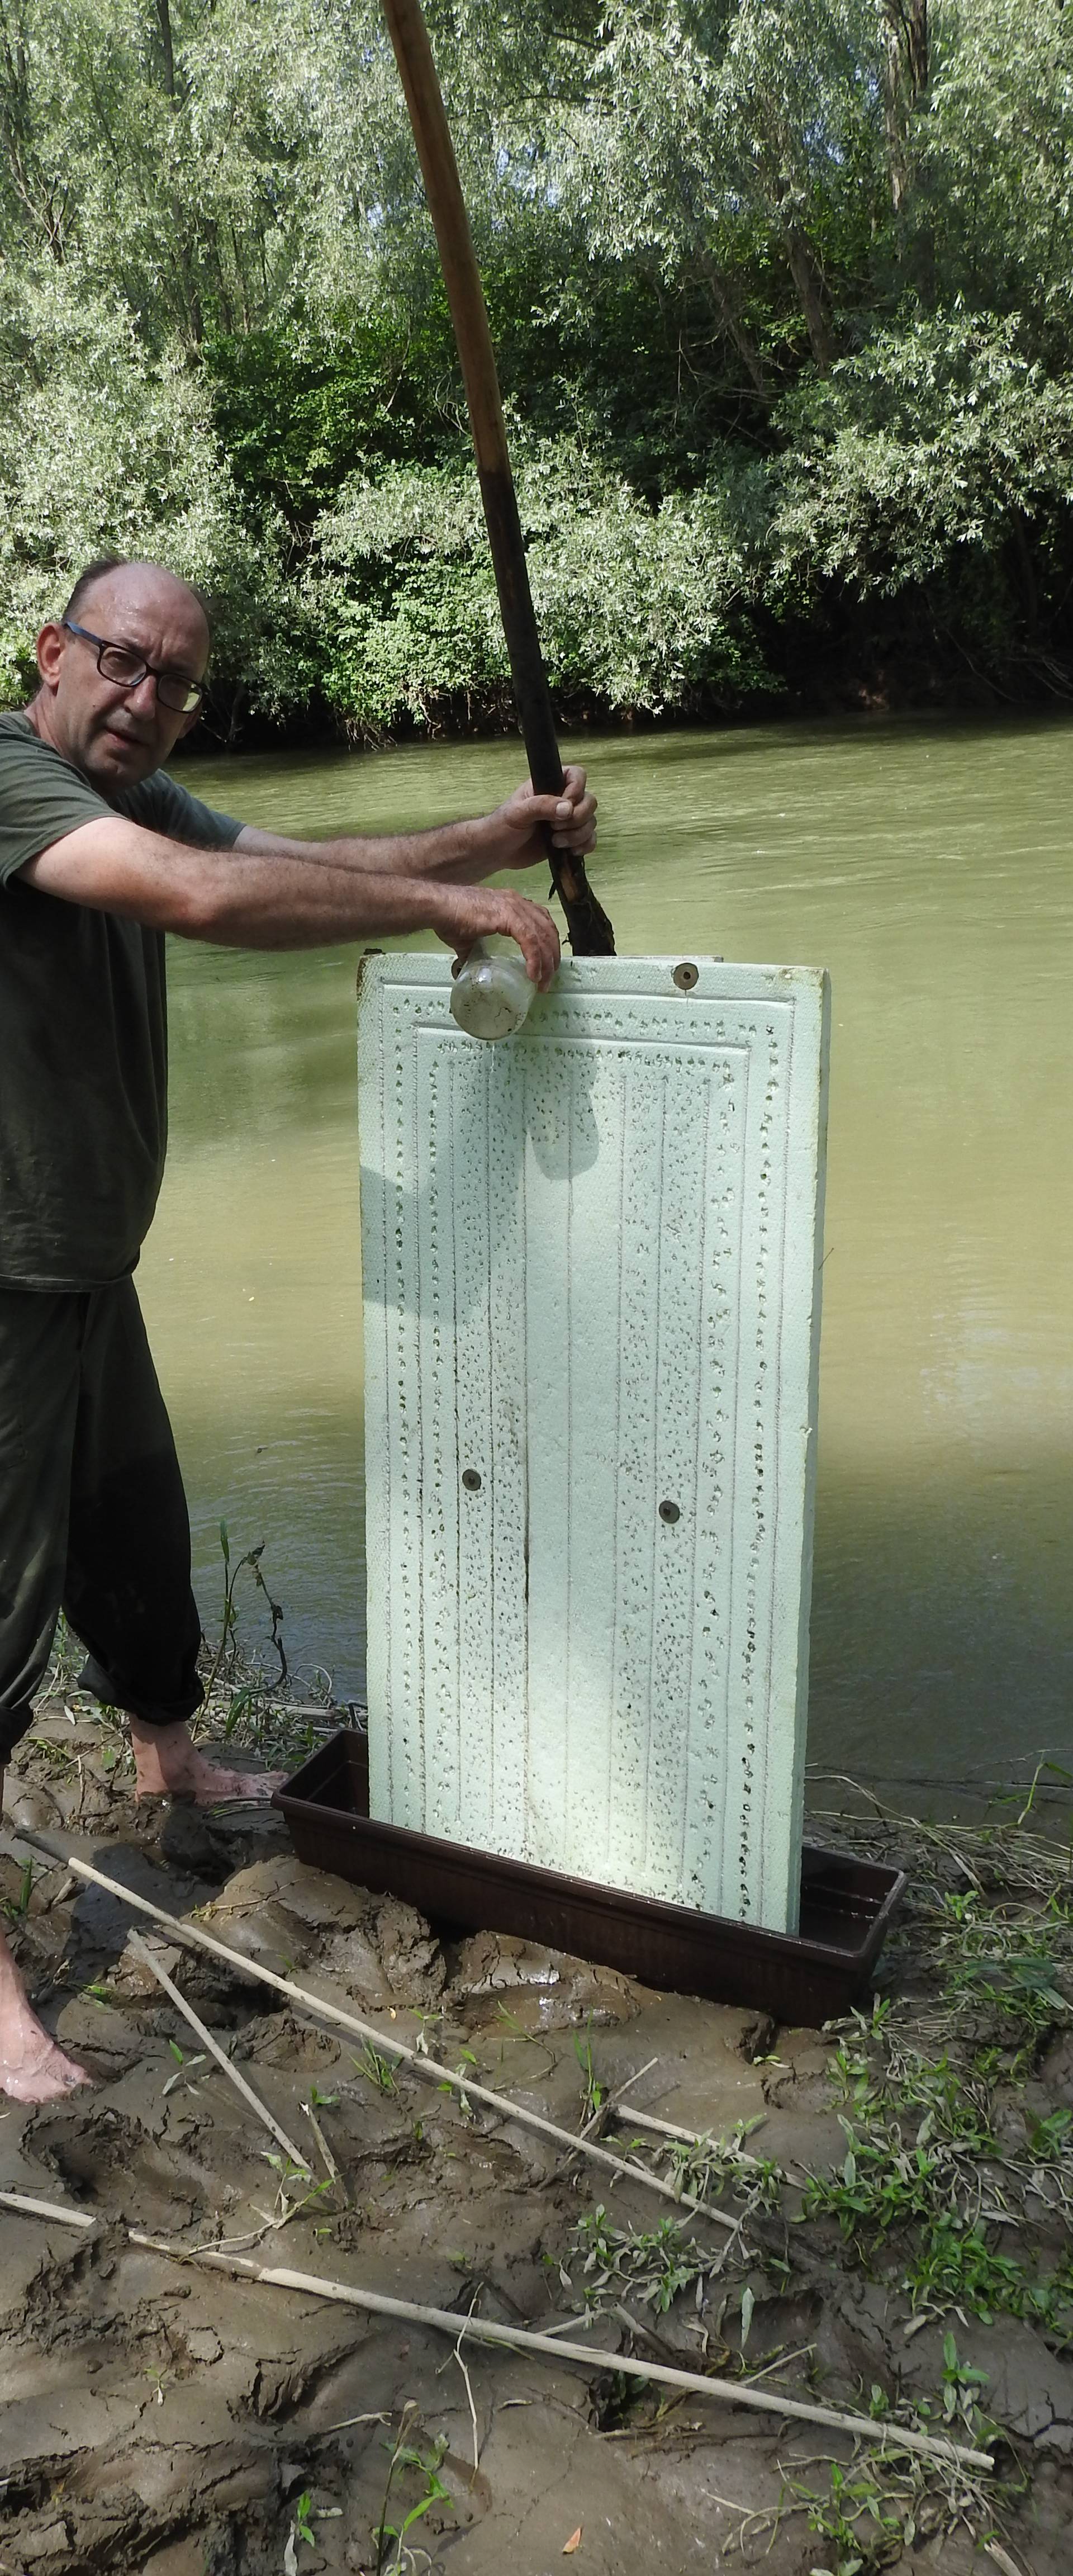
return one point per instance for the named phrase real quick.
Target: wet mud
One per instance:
(160, 2417)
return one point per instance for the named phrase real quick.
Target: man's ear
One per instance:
(188, 722)
(51, 646)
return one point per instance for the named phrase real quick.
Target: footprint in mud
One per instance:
(119, 2170)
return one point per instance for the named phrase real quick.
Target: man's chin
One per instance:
(112, 761)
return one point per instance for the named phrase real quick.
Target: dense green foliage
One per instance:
(782, 295)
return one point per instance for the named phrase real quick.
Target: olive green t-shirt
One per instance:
(83, 1031)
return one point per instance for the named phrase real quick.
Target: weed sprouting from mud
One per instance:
(18, 1906)
(184, 2068)
(704, 2167)
(395, 2556)
(378, 2070)
(594, 2094)
(927, 2181)
(612, 2263)
(228, 1616)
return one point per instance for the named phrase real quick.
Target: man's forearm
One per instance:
(245, 899)
(239, 898)
(450, 854)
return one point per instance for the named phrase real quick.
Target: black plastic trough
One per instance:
(808, 1977)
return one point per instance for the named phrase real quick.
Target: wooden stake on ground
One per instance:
(428, 2067)
(143, 1952)
(732, 2392)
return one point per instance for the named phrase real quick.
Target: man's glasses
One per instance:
(126, 669)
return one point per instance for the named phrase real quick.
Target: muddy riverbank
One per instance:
(915, 2260)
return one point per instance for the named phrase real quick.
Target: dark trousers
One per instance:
(93, 1516)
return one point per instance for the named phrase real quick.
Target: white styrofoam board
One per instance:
(591, 1278)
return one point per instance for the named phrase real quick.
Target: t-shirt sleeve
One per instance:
(163, 806)
(41, 799)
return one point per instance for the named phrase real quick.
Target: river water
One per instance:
(928, 865)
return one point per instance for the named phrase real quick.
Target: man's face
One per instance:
(117, 736)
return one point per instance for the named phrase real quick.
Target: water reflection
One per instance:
(926, 864)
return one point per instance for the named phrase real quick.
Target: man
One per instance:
(100, 854)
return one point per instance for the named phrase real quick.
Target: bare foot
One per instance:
(168, 1765)
(32, 2067)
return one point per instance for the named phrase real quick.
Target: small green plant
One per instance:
(620, 2262)
(393, 2557)
(961, 2389)
(306, 2513)
(704, 2167)
(229, 1617)
(184, 2068)
(466, 2058)
(1008, 1965)
(378, 2069)
(855, 2498)
(17, 1907)
(594, 2094)
(295, 2191)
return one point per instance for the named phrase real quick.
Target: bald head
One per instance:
(117, 735)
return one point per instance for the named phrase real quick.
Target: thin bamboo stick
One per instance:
(428, 2067)
(631, 2119)
(142, 1951)
(31, 2208)
(890, 2437)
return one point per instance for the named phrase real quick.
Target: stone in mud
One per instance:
(33, 1807)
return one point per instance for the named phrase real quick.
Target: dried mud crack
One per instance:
(903, 2185)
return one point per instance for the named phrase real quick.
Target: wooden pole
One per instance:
(588, 927)
(253, 2100)
(730, 2392)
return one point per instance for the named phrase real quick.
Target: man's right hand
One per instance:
(459, 915)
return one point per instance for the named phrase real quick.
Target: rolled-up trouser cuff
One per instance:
(149, 1712)
(14, 1724)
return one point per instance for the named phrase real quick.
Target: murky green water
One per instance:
(929, 866)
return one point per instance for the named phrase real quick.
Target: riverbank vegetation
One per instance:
(782, 298)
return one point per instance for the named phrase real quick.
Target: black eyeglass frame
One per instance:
(194, 690)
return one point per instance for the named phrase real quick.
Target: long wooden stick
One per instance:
(25, 2202)
(143, 1952)
(429, 2067)
(522, 2339)
(733, 2392)
(587, 924)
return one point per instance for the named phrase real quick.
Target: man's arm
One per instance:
(246, 898)
(455, 853)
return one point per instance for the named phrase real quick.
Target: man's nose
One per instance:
(143, 699)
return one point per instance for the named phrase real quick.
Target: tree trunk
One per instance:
(804, 269)
(167, 46)
(740, 339)
(906, 73)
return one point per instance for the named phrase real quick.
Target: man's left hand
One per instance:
(514, 835)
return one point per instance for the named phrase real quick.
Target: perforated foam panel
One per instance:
(591, 1279)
